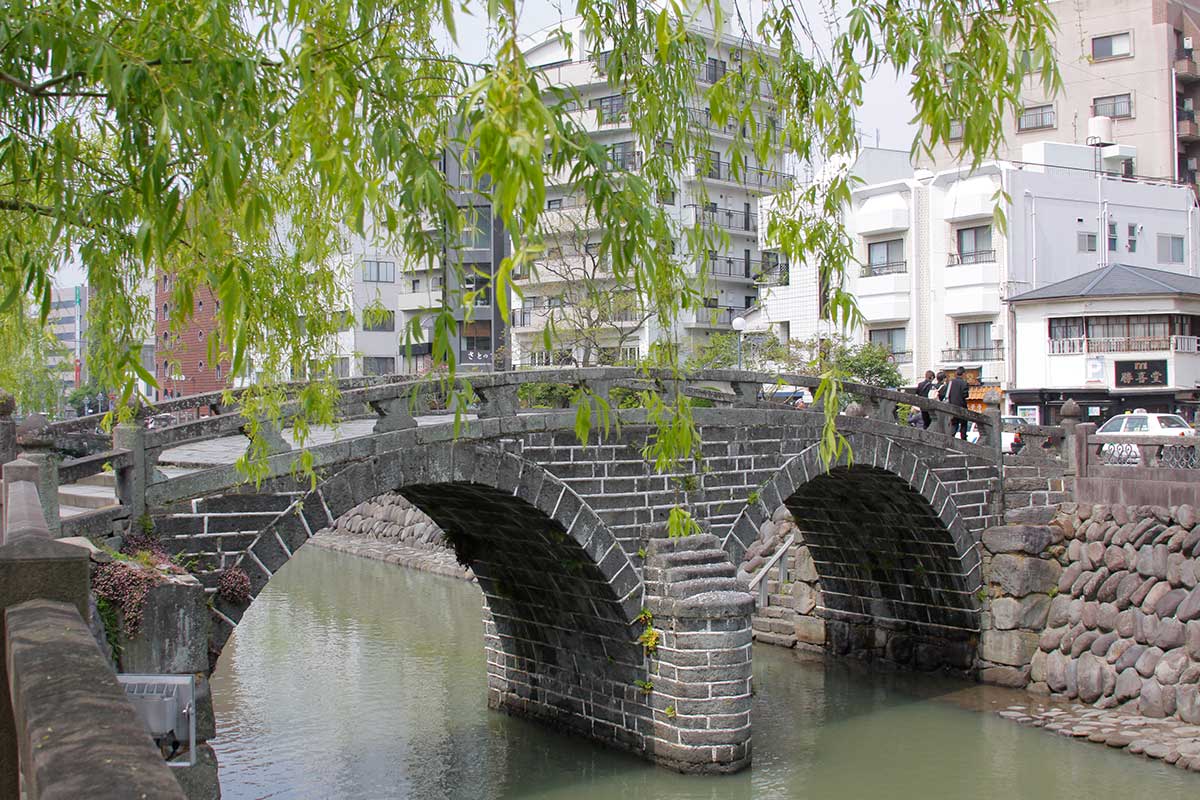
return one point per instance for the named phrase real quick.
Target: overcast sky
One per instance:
(883, 119)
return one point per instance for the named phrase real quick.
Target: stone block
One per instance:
(1030, 539)
(173, 635)
(1019, 576)
(1010, 648)
(810, 630)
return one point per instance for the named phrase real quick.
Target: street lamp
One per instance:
(739, 325)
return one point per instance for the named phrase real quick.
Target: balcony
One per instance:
(752, 178)
(885, 268)
(901, 357)
(1185, 125)
(972, 354)
(709, 73)
(973, 257)
(1131, 344)
(734, 267)
(730, 219)
(715, 316)
(773, 275)
(1185, 66)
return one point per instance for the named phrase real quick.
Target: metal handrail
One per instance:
(780, 557)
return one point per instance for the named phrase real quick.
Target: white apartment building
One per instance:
(936, 268)
(67, 322)
(1115, 339)
(596, 330)
(1130, 60)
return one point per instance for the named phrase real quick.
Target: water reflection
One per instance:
(350, 678)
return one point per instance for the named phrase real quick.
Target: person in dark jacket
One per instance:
(955, 393)
(923, 391)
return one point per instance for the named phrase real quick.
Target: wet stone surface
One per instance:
(1170, 740)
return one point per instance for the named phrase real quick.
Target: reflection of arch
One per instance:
(560, 589)
(885, 535)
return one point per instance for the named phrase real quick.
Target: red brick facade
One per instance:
(182, 364)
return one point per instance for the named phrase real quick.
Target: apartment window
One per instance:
(956, 130)
(1131, 239)
(1086, 242)
(480, 285)
(1115, 45)
(379, 271)
(750, 300)
(609, 109)
(477, 336)
(623, 155)
(894, 340)
(1035, 118)
(1066, 328)
(477, 229)
(713, 70)
(1114, 105)
(416, 285)
(884, 257)
(554, 205)
(1170, 249)
(1112, 237)
(975, 336)
(385, 321)
(379, 365)
(974, 245)
(666, 198)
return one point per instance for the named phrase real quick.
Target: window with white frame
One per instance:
(1112, 237)
(884, 257)
(1086, 242)
(1170, 249)
(379, 271)
(1113, 45)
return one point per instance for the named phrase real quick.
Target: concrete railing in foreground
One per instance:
(66, 729)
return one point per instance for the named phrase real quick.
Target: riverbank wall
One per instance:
(389, 528)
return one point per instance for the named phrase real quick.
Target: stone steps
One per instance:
(777, 639)
(696, 571)
(688, 588)
(89, 496)
(695, 557)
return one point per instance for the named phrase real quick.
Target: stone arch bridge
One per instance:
(596, 621)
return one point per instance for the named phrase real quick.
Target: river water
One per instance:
(351, 678)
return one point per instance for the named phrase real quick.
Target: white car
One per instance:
(1010, 441)
(1142, 423)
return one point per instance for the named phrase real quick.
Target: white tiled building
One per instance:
(624, 331)
(936, 268)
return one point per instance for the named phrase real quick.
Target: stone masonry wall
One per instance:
(392, 518)
(1101, 606)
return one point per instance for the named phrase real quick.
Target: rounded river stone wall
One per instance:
(1101, 606)
(393, 519)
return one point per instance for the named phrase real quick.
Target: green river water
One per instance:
(351, 678)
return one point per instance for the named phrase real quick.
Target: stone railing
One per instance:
(1136, 470)
(134, 449)
(66, 727)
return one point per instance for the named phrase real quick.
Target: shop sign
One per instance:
(1134, 374)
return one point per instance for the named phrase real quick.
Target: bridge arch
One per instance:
(897, 567)
(560, 595)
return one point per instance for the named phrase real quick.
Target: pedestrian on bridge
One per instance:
(927, 389)
(955, 393)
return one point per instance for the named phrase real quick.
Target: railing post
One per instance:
(47, 486)
(8, 444)
(746, 393)
(991, 410)
(132, 480)
(1069, 419)
(499, 401)
(394, 415)
(1081, 449)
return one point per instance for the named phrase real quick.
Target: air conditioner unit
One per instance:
(1187, 43)
(1189, 104)
(1193, 164)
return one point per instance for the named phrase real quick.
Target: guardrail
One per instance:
(761, 578)
(66, 727)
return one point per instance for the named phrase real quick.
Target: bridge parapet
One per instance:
(66, 727)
